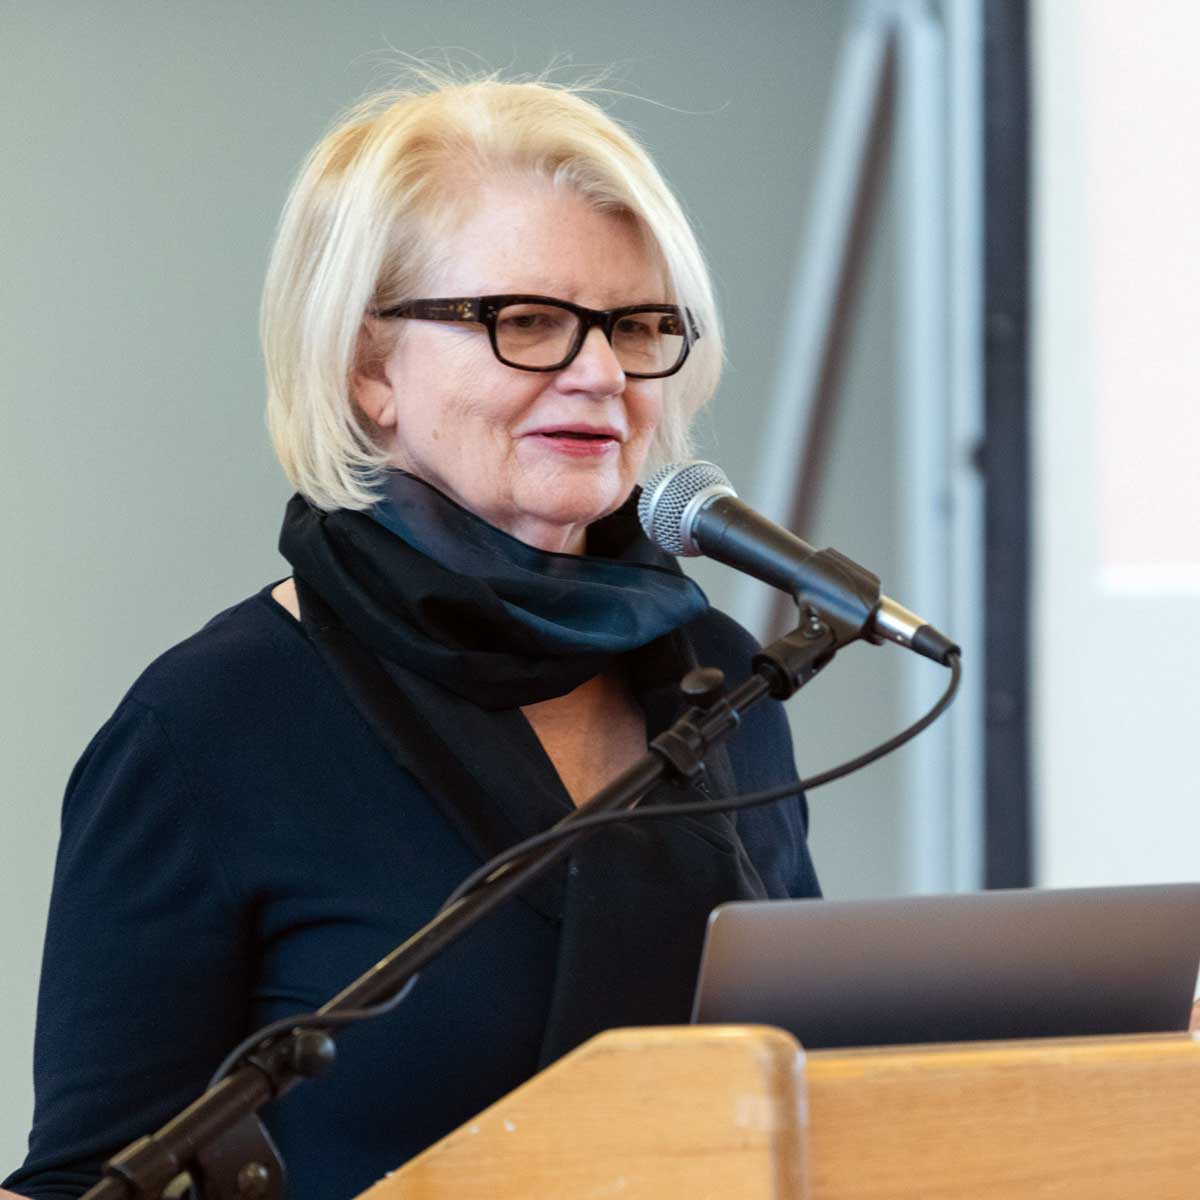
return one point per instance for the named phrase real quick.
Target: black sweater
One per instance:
(237, 845)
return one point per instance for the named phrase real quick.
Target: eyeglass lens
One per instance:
(543, 335)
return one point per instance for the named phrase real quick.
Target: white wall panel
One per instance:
(1116, 422)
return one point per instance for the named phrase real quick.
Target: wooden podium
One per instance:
(736, 1111)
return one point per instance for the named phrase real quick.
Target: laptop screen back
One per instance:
(1004, 964)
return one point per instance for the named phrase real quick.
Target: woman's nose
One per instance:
(595, 368)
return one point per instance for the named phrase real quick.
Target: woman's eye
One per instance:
(533, 321)
(635, 327)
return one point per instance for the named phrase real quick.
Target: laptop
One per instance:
(1002, 964)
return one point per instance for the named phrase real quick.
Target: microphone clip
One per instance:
(837, 590)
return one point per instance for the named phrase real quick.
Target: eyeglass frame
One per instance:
(484, 310)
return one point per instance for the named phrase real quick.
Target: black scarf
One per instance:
(451, 602)
(430, 586)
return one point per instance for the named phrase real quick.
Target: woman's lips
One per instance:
(577, 441)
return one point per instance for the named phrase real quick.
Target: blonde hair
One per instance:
(368, 215)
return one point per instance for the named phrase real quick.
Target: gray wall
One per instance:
(148, 150)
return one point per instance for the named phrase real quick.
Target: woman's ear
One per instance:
(370, 386)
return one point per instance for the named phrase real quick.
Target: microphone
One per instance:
(690, 508)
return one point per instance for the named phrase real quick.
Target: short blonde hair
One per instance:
(363, 226)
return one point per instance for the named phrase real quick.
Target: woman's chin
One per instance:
(556, 515)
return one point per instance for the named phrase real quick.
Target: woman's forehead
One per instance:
(528, 236)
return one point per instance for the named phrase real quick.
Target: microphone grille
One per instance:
(664, 500)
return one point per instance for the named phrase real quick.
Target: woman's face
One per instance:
(497, 439)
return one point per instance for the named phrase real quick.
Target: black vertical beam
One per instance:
(1005, 457)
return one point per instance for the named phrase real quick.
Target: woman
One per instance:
(485, 314)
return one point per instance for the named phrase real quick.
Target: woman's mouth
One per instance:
(577, 441)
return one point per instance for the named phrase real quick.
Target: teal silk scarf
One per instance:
(426, 584)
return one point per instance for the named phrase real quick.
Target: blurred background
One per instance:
(956, 251)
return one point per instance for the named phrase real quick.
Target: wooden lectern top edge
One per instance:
(768, 1038)
(989, 1054)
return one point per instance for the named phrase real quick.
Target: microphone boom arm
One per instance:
(219, 1129)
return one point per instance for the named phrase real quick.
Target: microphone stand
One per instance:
(217, 1142)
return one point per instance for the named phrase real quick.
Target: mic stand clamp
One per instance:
(783, 668)
(789, 663)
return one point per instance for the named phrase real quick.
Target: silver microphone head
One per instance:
(673, 496)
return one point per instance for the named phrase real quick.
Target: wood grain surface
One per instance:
(1099, 1118)
(639, 1114)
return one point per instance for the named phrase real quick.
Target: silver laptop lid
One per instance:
(1003, 964)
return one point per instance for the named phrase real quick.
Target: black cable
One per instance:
(571, 825)
(312, 1020)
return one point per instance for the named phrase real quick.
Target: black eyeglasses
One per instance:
(538, 333)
